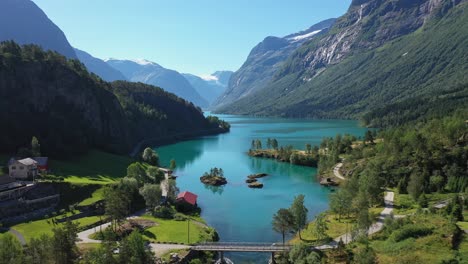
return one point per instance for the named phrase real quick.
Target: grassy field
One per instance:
(433, 248)
(34, 229)
(173, 231)
(96, 167)
(96, 196)
(336, 226)
(404, 204)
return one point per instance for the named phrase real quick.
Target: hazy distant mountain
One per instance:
(25, 23)
(210, 87)
(99, 67)
(265, 60)
(152, 73)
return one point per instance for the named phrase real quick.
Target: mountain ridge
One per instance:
(152, 73)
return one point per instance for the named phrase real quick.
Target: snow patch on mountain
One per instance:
(308, 35)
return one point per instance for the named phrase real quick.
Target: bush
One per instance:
(179, 217)
(164, 212)
(410, 231)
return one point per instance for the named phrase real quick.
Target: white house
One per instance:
(23, 169)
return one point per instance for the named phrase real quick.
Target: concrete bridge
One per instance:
(222, 247)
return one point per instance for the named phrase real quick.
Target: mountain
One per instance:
(210, 87)
(379, 54)
(265, 60)
(152, 73)
(69, 110)
(99, 67)
(25, 23)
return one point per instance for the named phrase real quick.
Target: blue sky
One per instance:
(193, 36)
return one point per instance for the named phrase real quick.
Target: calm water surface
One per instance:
(237, 212)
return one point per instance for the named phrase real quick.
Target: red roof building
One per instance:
(187, 197)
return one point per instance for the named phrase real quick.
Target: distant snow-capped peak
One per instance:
(209, 78)
(308, 35)
(144, 62)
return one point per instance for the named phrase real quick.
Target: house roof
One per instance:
(189, 197)
(27, 161)
(41, 161)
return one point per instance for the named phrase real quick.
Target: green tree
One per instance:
(303, 254)
(308, 148)
(274, 144)
(320, 226)
(341, 202)
(11, 250)
(368, 137)
(155, 174)
(258, 144)
(283, 222)
(136, 171)
(299, 212)
(39, 250)
(35, 147)
(63, 243)
(150, 156)
(101, 255)
(365, 256)
(172, 165)
(416, 185)
(268, 143)
(116, 204)
(152, 195)
(134, 251)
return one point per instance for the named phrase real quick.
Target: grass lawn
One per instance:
(97, 195)
(463, 225)
(35, 229)
(173, 231)
(96, 167)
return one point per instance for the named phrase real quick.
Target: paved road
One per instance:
(376, 227)
(83, 237)
(336, 171)
(17, 234)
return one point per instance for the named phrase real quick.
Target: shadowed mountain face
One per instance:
(99, 67)
(265, 60)
(45, 95)
(378, 54)
(25, 23)
(152, 73)
(210, 87)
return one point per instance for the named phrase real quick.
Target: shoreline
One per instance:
(172, 139)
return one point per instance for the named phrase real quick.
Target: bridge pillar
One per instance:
(273, 258)
(221, 257)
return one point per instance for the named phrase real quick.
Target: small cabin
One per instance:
(23, 169)
(187, 197)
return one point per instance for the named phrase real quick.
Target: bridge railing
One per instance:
(241, 245)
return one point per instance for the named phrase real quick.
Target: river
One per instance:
(237, 212)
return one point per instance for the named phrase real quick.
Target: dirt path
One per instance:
(336, 171)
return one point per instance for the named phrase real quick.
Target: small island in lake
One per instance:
(253, 182)
(214, 178)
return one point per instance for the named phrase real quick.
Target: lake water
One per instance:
(237, 212)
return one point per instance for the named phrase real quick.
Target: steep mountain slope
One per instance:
(151, 73)
(265, 60)
(379, 53)
(99, 67)
(25, 23)
(210, 87)
(45, 95)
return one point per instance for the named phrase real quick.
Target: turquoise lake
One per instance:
(241, 214)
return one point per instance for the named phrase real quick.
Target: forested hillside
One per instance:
(45, 95)
(389, 53)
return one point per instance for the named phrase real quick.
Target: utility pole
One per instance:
(188, 230)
